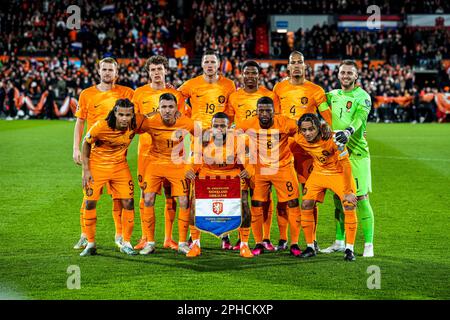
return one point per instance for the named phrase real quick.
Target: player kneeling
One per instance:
(332, 170)
(216, 153)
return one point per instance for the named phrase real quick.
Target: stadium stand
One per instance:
(44, 65)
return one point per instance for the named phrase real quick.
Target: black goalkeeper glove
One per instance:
(341, 137)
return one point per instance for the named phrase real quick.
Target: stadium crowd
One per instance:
(154, 27)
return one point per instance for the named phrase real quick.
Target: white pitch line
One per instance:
(408, 158)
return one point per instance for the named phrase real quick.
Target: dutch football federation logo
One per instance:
(349, 106)
(217, 207)
(221, 99)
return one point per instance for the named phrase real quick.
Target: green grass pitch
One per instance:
(41, 195)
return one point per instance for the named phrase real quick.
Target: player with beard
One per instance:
(351, 106)
(222, 155)
(206, 95)
(242, 106)
(297, 97)
(269, 151)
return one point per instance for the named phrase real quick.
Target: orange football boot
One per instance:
(141, 244)
(169, 243)
(194, 252)
(245, 252)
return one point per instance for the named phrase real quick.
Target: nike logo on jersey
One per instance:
(198, 96)
(97, 106)
(240, 105)
(281, 98)
(144, 102)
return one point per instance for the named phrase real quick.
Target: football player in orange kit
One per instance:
(222, 155)
(146, 100)
(208, 94)
(166, 162)
(269, 151)
(104, 162)
(297, 97)
(242, 106)
(94, 104)
(332, 170)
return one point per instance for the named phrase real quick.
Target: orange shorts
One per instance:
(117, 177)
(143, 163)
(155, 175)
(318, 182)
(303, 162)
(284, 181)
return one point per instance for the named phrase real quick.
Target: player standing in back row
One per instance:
(350, 107)
(208, 94)
(242, 106)
(94, 104)
(297, 97)
(146, 100)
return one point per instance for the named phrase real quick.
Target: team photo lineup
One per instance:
(261, 143)
(299, 136)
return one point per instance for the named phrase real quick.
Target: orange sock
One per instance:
(282, 220)
(83, 206)
(170, 210)
(316, 217)
(244, 234)
(308, 225)
(350, 224)
(90, 223)
(127, 223)
(141, 214)
(183, 224)
(267, 213)
(148, 220)
(294, 216)
(257, 223)
(195, 233)
(117, 215)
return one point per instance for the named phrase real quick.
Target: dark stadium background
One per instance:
(44, 66)
(404, 64)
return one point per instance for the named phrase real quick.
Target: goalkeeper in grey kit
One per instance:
(350, 108)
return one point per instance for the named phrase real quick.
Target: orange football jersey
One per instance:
(205, 98)
(325, 154)
(219, 159)
(108, 146)
(242, 105)
(94, 105)
(271, 146)
(167, 145)
(146, 100)
(296, 100)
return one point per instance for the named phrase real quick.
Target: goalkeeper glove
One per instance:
(341, 137)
